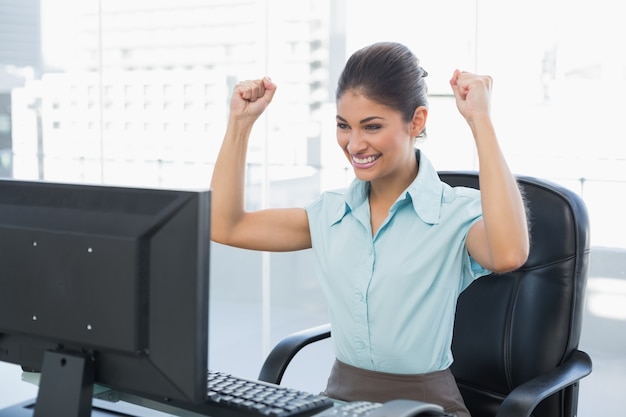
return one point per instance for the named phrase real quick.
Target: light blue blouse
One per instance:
(392, 297)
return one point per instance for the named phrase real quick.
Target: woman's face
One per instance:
(374, 138)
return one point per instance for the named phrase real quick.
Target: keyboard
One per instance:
(231, 396)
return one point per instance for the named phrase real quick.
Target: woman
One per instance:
(397, 247)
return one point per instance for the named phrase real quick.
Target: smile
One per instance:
(365, 160)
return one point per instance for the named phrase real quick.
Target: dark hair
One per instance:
(388, 73)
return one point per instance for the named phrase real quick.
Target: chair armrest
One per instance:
(523, 399)
(281, 355)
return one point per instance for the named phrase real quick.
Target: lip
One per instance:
(364, 161)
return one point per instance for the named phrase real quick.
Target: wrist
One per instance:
(240, 126)
(480, 123)
(237, 136)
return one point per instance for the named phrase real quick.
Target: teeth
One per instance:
(364, 160)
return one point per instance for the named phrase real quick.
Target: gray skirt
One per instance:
(348, 383)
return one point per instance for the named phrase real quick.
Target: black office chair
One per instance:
(516, 335)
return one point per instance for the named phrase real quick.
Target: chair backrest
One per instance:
(512, 327)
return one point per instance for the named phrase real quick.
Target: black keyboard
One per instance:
(231, 396)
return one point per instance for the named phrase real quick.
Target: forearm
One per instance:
(228, 181)
(504, 211)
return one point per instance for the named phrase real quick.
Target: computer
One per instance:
(107, 288)
(106, 285)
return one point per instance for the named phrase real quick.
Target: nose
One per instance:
(356, 143)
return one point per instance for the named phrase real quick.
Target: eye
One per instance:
(342, 126)
(372, 127)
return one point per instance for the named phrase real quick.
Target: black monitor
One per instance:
(105, 285)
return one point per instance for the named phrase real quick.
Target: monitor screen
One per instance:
(105, 285)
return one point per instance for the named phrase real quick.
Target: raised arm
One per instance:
(500, 240)
(231, 224)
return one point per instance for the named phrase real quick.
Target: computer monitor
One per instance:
(105, 285)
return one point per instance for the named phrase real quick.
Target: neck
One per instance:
(388, 189)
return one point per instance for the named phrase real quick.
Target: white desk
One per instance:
(14, 390)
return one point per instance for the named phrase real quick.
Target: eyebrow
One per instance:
(366, 120)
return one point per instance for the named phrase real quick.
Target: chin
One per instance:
(363, 175)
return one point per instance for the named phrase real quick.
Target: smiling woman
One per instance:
(359, 235)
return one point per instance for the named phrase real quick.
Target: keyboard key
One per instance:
(231, 396)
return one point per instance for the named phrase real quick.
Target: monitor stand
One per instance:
(65, 389)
